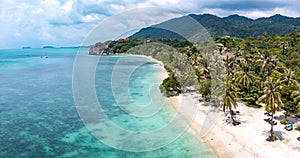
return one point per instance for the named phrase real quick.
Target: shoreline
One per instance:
(196, 125)
(176, 102)
(245, 140)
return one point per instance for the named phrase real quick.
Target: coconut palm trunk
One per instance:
(231, 115)
(272, 100)
(229, 101)
(272, 131)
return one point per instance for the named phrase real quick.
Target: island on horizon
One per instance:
(26, 47)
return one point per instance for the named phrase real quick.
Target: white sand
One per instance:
(245, 140)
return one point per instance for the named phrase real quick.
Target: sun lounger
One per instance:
(289, 127)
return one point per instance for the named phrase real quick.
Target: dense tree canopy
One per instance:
(250, 62)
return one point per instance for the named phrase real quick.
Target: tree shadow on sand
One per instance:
(278, 134)
(292, 119)
(237, 118)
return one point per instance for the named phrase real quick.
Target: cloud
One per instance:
(244, 5)
(228, 7)
(68, 22)
(90, 18)
(252, 8)
(129, 21)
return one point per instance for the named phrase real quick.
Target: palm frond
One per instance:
(261, 99)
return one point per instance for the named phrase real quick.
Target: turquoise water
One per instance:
(39, 118)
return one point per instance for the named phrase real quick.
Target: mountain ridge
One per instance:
(232, 25)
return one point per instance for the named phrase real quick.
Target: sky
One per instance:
(37, 23)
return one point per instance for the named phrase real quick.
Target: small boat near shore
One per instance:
(45, 56)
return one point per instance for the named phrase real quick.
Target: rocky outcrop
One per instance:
(101, 49)
(98, 49)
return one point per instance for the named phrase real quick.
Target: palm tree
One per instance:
(289, 85)
(272, 100)
(296, 97)
(229, 100)
(283, 47)
(245, 77)
(204, 69)
(288, 77)
(224, 90)
(267, 64)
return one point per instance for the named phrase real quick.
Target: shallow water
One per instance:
(39, 118)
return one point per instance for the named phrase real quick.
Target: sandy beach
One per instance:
(245, 140)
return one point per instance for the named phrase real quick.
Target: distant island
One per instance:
(48, 47)
(26, 47)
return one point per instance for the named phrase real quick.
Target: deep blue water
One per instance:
(38, 117)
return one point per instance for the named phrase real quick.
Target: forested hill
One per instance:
(234, 25)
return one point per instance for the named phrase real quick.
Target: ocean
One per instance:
(39, 118)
